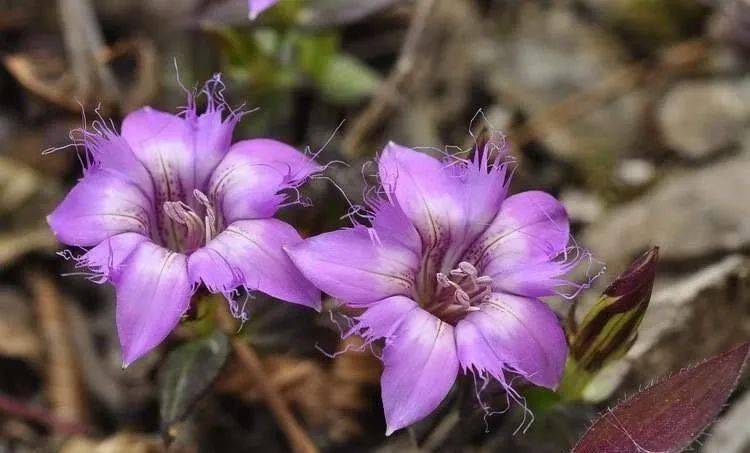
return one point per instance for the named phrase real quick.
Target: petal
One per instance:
(113, 153)
(102, 204)
(107, 257)
(258, 6)
(213, 137)
(390, 221)
(153, 292)
(422, 188)
(248, 181)
(382, 318)
(250, 253)
(530, 227)
(163, 143)
(450, 203)
(354, 267)
(531, 279)
(420, 366)
(514, 334)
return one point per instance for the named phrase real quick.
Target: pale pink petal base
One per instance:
(353, 266)
(420, 367)
(249, 253)
(153, 292)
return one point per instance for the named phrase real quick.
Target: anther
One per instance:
(484, 280)
(462, 298)
(182, 214)
(468, 268)
(442, 280)
(209, 220)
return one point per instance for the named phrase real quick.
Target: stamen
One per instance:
(442, 280)
(484, 280)
(468, 269)
(462, 298)
(184, 215)
(210, 223)
(461, 291)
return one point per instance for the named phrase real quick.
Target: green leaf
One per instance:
(186, 375)
(540, 400)
(347, 80)
(315, 53)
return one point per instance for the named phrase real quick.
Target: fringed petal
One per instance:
(249, 254)
(250, 180)
(153, 292)
(510, 333)
(355, 267)
(101, 205)
(449, 202)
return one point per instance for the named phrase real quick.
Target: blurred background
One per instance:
(636, 113)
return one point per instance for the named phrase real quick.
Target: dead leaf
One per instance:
(119, 443)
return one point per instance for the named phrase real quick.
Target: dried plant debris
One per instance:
(329, 398)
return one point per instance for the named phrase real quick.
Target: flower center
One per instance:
(193, 227)
(459, 292)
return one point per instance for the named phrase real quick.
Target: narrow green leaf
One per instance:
(186, 375)
(315, 52)
(347, 80)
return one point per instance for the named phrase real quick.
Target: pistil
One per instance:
(459, 292)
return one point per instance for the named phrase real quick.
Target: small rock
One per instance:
(635, 172)
(731, 23)
(730, 434)
(699, 118)
(582, 206)
(689, 215)
(499, 118)
(648, 24)
(550, 55)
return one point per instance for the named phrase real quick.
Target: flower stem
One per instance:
(297, 437)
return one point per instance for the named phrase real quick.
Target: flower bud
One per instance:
(610, 327)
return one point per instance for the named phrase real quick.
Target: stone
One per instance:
(635, 172)
(649, 22)
(691, 214)
(582, 206)
(730, 433)
(550, 55)
(700, 118)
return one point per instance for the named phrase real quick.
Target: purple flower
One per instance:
(170, 203)
(258, 6)
(450, 274)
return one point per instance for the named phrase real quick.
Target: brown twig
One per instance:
(387, 94)
(21, 67)
(83, 41)
(14, 244)
(298, 438)
(63, 380)
(676, 59)
(40, 415)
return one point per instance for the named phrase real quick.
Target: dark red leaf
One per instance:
(669, 415)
